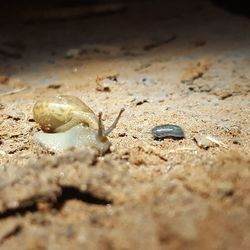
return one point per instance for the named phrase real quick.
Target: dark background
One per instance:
(241, 7)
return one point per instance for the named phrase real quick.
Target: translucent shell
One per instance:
(60, 113)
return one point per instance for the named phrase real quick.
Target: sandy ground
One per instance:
(184, 64)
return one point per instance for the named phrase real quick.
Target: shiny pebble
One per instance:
(167, 131)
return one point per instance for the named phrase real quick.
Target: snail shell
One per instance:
(60, 113)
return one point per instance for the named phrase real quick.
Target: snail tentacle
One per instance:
(113, 126)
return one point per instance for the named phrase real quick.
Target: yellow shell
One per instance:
(60, 113)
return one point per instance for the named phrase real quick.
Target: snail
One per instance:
(68, 122)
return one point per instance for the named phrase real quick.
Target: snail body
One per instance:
(68, 122)
(75, 137)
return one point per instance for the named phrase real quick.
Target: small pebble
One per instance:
(54, 86)
(104, 85)
(72, 53)
(237, 142)
(168, 131)
(122, 134)
(207, 141)
(4, 79)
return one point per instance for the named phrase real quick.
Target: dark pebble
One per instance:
(168, 131)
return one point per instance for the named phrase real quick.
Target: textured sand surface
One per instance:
(184, 64)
